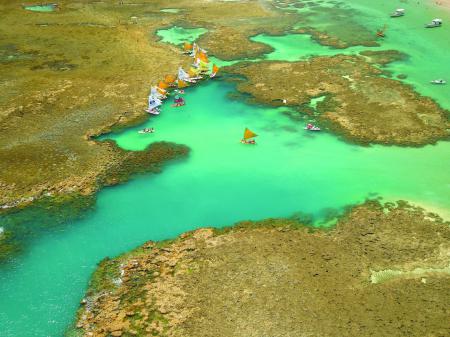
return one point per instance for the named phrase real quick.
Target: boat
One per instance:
(215, 70)
(187, 48)
(248, 137)
(147, 130)
(434, 23)
(153, 104)
(381, 32)
(398, 12)
(154, 92)
(178, 101)
(438, 81)
(170, 80)
(184, 76)
(154, 111)
(311, 127)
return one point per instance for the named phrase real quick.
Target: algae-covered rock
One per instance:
(359, 103)
(276, 278)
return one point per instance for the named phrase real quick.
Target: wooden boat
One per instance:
(311, 127)
(381, 32)
(187, 48)
(215, 70)
(248, 137)
(146, 130)
(178, 101)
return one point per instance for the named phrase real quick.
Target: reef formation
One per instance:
(279, 278)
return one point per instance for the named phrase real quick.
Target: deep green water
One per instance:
(223, 181)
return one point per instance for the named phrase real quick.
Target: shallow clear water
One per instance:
(40, 8)
(178, 35)
(222, 181)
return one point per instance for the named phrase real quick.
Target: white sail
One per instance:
(153, 102)
(182, 75)
(154, 93)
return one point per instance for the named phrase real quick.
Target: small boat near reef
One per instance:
(311, 127)
(248, 137)
(381, 32)
(434, 23)
(215, 70)
(397, 13)
(154, 111)
(438, 81)
(178, 101)
(147, 130)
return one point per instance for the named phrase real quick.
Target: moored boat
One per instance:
(311, 127)
(434, 23)
(397, 13)
(147, 130)
(438, 81)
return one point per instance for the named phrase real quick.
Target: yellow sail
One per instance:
(181, 84)
(193, 72)
(249, 134)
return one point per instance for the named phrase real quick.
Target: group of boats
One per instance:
(199, 70)
(399, 12)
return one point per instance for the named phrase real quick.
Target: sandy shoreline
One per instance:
(441, 3)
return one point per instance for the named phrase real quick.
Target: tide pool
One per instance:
(178, 35)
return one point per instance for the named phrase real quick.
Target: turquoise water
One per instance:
(41, 8)
(222, 181)
(178, 35)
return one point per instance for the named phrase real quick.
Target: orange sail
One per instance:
(187, 46)
(249, 134)
(215, 69)
(181, 84)
(163, 85)
(170, 78)
(202, 56)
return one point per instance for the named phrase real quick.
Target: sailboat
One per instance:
(248, 137)
(157, 93)
(380, 32)
(170, 80)
(187, 48)
(215, 70)
(184, 76)
(153, 104)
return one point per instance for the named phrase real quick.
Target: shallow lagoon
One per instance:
(223, 181)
